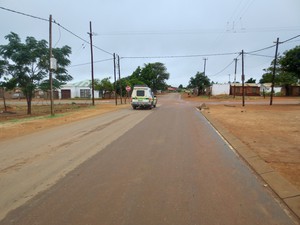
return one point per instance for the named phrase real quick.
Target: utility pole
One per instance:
(205, 64)
(115, 77)
(50, 67)
(119, 71)
(235, 67)
(243, 78)
(92, 63)
(274, 71)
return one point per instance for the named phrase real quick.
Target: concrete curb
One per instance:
(288, 193)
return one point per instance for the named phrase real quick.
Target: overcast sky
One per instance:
(178, 33)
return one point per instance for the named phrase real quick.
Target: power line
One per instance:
(223, 69)
(178, 56)
(267, 56)
(290, 39)
(246, 7)
(58, 24)
(272, 46)
(220, 31)
(24, 14)
(88, 63)
(81, 38)
(262, 49)
(234, 60)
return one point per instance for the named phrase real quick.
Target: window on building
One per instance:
(85, 93)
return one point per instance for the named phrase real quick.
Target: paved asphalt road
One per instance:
(171, 168)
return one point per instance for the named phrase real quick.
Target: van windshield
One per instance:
(140, 93)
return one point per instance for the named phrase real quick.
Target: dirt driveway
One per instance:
(273, 132)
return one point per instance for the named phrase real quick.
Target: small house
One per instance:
(80, 89)
(250, 89)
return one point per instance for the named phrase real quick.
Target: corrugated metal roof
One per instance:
(245, 84)
(84, 83)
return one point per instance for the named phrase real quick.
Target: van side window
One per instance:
(140, 93)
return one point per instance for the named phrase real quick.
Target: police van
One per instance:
(142, 97)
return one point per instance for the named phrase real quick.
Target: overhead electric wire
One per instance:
(289, 39)
(267, 56)
(24, 14)
(226, 66)
(88, 63)
(81, 38)
(178, 56)
(223, 69)
(58, 24)
(272, 46)
(260, 50)
(59, 31)
(246, 7)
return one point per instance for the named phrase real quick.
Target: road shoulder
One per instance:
(287, 192)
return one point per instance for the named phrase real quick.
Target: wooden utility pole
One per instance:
(243, 78)
(115, 77)
(235, 67)
(92, 63)
(119, 71)
(50, 67)
(205, 65)
(274, 72)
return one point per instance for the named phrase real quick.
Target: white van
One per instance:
(142, 96)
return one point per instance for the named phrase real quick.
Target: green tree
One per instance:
(155, 76)
(267, 76)
(137, 73)
(200, 81)
(135, 78)
(287, 69)
(3, 67)
(251, 81)
(61, 74)
(290, 62)
(3, 84)
(104, 86)
(29, 64)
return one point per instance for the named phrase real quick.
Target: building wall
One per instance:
(76, 90)
(220, 89)
(295, 90)
(249, 90)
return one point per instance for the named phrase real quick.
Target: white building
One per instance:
(267, 87)
(80, 89)
(220, 89)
